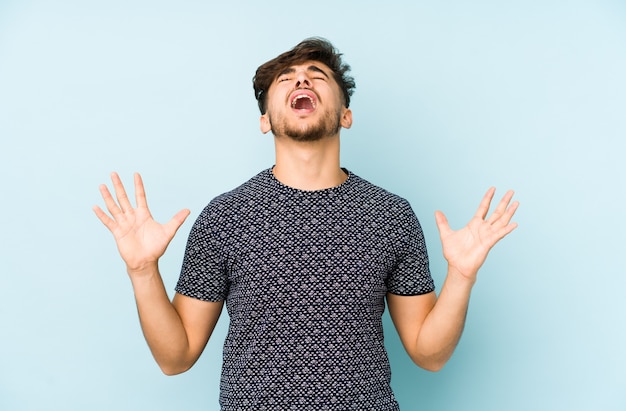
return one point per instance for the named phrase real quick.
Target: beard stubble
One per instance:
(329, 125)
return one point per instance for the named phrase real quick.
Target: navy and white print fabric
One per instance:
(304, 275)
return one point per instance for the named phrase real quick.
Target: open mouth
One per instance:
(304, 102)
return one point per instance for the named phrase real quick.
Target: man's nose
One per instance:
(302, 80)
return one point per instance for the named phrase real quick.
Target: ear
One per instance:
(266, 125)
(346, 118)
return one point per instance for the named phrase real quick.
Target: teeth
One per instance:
(295, 100)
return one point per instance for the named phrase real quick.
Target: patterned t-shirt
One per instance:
(304, 275)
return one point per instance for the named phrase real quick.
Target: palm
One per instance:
(139, 238)
(466, 249)
(138, 234)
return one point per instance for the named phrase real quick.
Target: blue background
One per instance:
(452, 97)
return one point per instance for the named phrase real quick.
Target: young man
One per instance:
(304, 254)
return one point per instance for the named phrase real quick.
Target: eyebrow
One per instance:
(291, 70)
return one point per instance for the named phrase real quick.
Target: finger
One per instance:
(109, 201)
(140, 192)
(485, 203)
(104, 218)
(120, 193)
(506, 230)
(442, 224)
(506, 226)
(510, 212)
(179, 218)
(501, 208)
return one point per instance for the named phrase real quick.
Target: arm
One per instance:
(430, 327)
(177, 331)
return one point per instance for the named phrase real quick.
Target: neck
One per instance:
(308, 165)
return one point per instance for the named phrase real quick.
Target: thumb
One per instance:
(442, 223)
(179, 218)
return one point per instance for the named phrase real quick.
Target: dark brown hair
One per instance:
(315, 49)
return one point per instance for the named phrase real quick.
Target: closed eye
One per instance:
(320, 74)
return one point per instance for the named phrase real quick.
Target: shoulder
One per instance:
(255, 187)
(373, 195)
(238, 199)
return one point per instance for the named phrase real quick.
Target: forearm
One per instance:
(161, 324)
(431, 327)
(443, 326)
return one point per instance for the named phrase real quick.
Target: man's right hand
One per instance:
(140, 240)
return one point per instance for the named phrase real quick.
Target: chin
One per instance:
(308, 134)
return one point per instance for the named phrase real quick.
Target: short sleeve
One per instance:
(203, 275)
(411, 273)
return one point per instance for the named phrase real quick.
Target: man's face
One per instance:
(305, 103)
